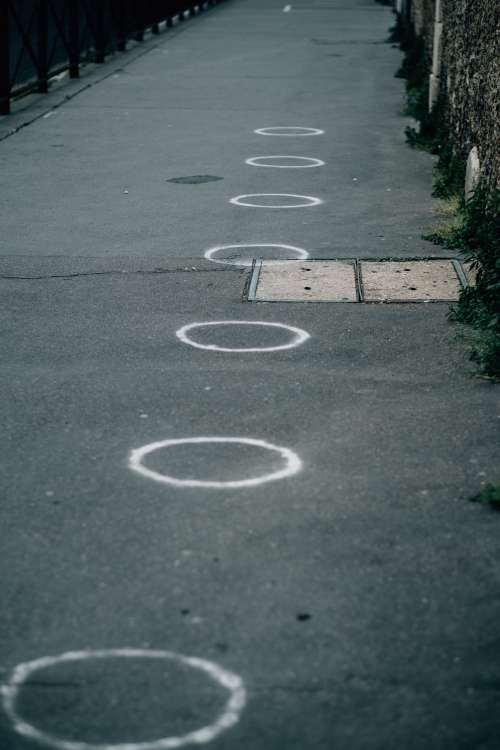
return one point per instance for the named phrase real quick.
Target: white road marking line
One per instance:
(287, 9)
(228, 718)
(291, 131)
(299, 336)
(304, 162)
(293, 464)
(209, 254)
(305, 200)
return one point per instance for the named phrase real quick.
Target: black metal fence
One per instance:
(40, 38)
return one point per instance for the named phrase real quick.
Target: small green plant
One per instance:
(449, 173)
(396, 32)
(402, 33)
(430, 133)
(445, 232)
(416, 105)
(415, 65)
(473, 227)
(478, 238)
(490, 495)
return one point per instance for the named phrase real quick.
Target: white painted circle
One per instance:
(289, 131)
(303, 162)
(209, 254)
(301, 201)
(293, 464)
(229, 716)
(299, 336)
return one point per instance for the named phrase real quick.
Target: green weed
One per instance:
(489, 496)
(473, 228)
(478, 238)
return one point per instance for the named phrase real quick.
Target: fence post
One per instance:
(74, 38)
(42, 32)
(100, 34)
(140, 22)
(154, 16)
(4, 60)
(120, 12)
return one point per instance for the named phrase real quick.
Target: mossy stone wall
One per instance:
(470, 75)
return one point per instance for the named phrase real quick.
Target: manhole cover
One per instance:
(195, 179)
(409, 281)
(304, 281)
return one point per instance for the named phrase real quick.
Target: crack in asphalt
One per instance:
(121, 273)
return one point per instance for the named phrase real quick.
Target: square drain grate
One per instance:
(304, 281)
(352, 280)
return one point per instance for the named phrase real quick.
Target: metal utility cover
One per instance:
(304, 281)
(409, 281)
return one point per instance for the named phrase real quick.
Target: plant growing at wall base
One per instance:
(490, 495)
(478, 238)
(449, 173)
(415, 69)
(475, 227)
(431, 133)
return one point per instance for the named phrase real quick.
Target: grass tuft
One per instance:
(472, 227)
(490, 495)
(478, 238)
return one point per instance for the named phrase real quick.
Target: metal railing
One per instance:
(41, 38)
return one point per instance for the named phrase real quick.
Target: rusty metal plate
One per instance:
(409, 281)
(304, 281)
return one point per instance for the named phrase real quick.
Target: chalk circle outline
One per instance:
(228, 718)
(312, 162)
(307, 200)
(301, 253)
(305, 131)
(292, 466)
(300, 336)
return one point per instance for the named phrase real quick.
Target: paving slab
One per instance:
(404, 281)
(309, 281)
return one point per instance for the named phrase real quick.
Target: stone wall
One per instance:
(470, 80)
(468, 71)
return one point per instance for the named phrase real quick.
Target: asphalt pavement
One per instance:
(208, 546)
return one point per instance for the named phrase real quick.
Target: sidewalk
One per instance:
(355, 598)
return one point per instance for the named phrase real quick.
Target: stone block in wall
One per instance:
(472, 173)
(434, 88)
(436, 49)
